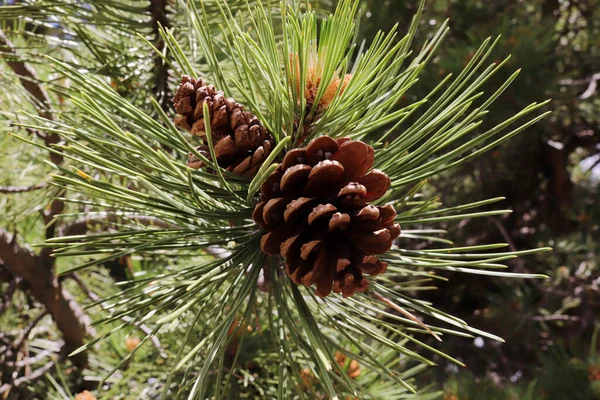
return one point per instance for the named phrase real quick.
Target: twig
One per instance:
(591, 89)
(591, 81)
(34, 375)
(94, 297)
(25, 333)
(8, 295)
(504, 233)
(29, 360)
(555, 318)
(4, 388)
(22, 189)
(402, 311)
(520, 263)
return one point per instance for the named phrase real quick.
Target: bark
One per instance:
(43, 284)
(159, 14)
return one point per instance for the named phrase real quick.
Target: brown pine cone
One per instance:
(241, 142)
(315, 209)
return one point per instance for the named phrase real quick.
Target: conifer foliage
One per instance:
(280, 219)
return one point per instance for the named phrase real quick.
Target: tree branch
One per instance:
(30, 82)
(591, 89)
(34, 375)
(158, 11)
(22, 189)
(25, 333)
(45, 287)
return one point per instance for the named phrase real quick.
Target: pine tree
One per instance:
(292, 280)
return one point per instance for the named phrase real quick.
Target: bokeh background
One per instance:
(550, 176)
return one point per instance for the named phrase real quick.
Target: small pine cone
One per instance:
(241, 142)
(315, 209)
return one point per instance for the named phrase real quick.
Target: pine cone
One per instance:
(241, 142)
(314, 208)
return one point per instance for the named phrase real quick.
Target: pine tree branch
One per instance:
(45, 287)
(158, 11)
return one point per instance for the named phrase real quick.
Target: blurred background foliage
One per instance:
(550, 176)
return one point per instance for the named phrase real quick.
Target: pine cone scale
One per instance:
(376, 183)
(293, 157)
(308, 248)
(356, 157)
(294, 209)
(325, 174)
(294, 178)
(321, 210)
(321, 266)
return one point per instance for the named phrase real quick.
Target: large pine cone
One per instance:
(241, 142)
(315, 209)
